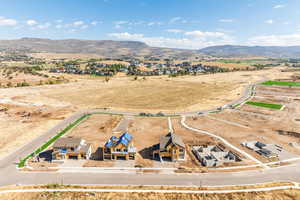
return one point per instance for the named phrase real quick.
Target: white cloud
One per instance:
(154, 23)
(275, 40)
(78, 23)
(118, 24)
(177, 20)
(174, 30)
(31, 22)
(59, 21)
(192, 40)
(44, 26)
(7, 22)
(279, 6)
(226, 20)
(94, 23)
(270, 21)
(201, 34)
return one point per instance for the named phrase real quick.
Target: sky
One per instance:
(188, 24)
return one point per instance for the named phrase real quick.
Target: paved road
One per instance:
(222, 140)
(10, 175)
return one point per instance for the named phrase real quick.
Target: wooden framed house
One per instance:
(71, 148)
(171, 147)
(119, 148)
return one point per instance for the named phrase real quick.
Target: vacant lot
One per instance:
(278, 195)
(188, 93)
(96, 130)
(21, 124)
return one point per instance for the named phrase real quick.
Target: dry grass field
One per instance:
(227, 65)
(188, 93)
(275, 195)
(51, 56)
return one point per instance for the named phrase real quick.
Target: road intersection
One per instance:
(10, 175)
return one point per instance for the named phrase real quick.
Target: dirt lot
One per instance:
(21, 124)
(265, 129)
(146, 133)
(278, 195)
(120, 93)
(96, 130)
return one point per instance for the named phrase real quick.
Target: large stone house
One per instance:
(71, 148)
(171, 147)
(119, 148)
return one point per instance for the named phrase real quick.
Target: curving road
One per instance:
(9, 175)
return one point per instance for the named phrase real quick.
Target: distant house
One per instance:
(171, 146)
(71, 148)
(119, 148)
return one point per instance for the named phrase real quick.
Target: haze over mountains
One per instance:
(115, 49)
(264, 51)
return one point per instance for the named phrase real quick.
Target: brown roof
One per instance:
(67, 142)
(170, 138)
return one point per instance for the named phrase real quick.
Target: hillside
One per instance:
(105, 48)
(252, 51)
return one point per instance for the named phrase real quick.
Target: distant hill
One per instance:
(118, 49)
(254, 51)
(105, 48)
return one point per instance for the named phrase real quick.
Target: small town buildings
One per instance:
(171, 146)
(214, 156)
(71, 148)
(119, 148)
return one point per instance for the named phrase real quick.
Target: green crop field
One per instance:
(265, 105)
(282, 83)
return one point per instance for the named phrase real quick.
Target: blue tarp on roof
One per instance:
(124, 139)
(111, 142)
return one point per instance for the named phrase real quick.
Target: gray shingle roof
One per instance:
(170, 138)
(67, 142)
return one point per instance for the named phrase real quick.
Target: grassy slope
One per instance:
(265, 105)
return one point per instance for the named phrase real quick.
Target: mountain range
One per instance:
(117, 49)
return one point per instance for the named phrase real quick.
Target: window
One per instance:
(118, 150)
(181, 150)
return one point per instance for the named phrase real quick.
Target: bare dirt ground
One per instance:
(154, 94)
(259, 128)
(96, 130)
(21, 124)
(278, 195)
